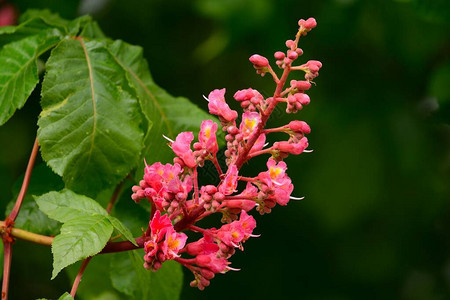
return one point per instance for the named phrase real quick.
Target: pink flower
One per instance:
(159, 225)
(173, 243)
(207, 136)
(293, 148)
(182, 148)
(205, 245)
(247, 223)
(217, 106)
(276, 180)
(259, 144)
(212, 262)
(237, 232)
(249, 95)
(229, 184)
(150, 248)
(250, 121)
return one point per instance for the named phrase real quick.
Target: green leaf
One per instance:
(33, 22)
(19, 72)
(169, 115)
(89, 128)
(66, 205)
(122, 229)
(43, 19)
(92, 30)
(31, 218)
(130, 277)
(66, 296)
(79, 239)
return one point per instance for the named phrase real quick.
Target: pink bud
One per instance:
(302, 98)
(290, 44)
(301, 84)
(210, 189)
(279, 55)
(299, 126)
(292, 55)
(308, 24)
(259, 61)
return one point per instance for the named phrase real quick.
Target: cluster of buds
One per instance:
(178, 202)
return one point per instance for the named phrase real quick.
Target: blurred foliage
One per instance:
(375, 221)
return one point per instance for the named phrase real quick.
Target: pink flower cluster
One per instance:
(178, 202)
(164, 242)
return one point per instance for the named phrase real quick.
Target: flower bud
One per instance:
(308, 24)
(299, 126)
(301, 85)
(302, 98)
(279, 55)
(259, 61)
(290, 44)
(292, 55)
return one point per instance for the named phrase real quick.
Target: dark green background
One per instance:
(375, 223)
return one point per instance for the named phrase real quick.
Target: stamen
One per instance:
(308, 151)
(232, 269)
(168, 138)
(295, 198)
(205, 98)
(255, 235)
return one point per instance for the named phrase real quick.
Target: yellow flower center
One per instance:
(274, 172)
(208, 132)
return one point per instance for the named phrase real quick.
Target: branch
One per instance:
(26, 180)
(7, 227)
(27, 236)
(76, 283)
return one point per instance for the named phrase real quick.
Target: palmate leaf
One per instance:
(79, 239)
(124, 231)
(130, 277)
(169, 115)
(89, 128)
(65, 206)
(19, 72)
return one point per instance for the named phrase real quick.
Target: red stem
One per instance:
(6, 235)
(26, 180)
(242, 178)
(217, 165)
(114, 197)
(195, 179)
(7, 256)
(123, 246)
(76, 283)
(243, 156)
(256, 153)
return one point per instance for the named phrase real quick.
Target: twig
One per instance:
(9, 223)
(27, 236)
(76, 283)
(85, 263)
(26, 180)
(7, 256)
